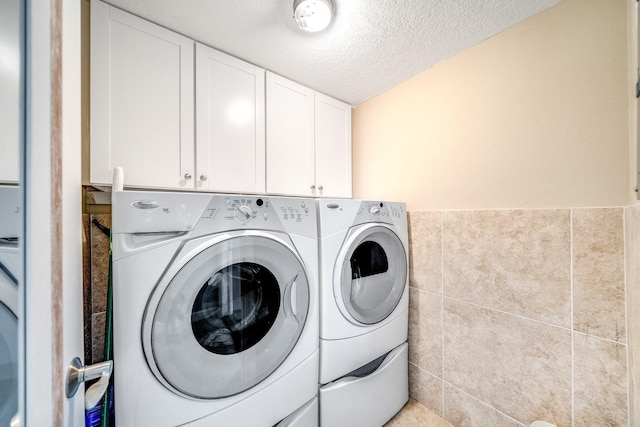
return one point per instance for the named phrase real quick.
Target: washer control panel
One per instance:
(268, 213)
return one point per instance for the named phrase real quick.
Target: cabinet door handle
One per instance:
(321, 188)
(313, 187)
(203, 177)
(187, 176)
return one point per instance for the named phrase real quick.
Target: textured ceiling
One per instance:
(371, 46)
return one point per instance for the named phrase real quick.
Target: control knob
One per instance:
(244, 213)
(374, 210)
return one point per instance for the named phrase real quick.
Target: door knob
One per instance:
(77, 374)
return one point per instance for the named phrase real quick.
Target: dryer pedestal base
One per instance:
(360, 349)
(368, 401)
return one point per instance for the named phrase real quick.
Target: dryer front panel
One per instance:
(227, 316)
(370, 274)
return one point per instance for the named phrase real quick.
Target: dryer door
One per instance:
(370, 274)
(227, 316)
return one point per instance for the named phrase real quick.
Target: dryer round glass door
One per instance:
(228, 315)
(371, 274)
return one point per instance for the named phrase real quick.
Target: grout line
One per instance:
(573, 403)
(507, 313)
(627, 330)
(426, 371)
(609, 340)
(442, 304)
(485, 404)
(556, 208)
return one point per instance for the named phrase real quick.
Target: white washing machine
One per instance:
(10, 274)
(215, 309)
(364, 300)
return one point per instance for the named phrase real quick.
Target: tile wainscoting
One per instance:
(632, 256)
(96, 274)
(519, 315)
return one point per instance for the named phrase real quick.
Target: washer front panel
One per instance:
(228, 316)
(371, 274)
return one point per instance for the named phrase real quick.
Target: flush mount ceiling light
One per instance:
(312, 15)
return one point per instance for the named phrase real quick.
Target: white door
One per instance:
(141, 101)
(333, 147)
(51, 304)
(230, 134)
(290, 138)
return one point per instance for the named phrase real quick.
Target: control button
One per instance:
(266, 215)
(259, 202)
(374, 210)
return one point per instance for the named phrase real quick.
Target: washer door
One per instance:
(8, 364)
(371, 274)
(228, 316)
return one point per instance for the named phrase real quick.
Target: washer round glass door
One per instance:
(228, 317)
(8, 364)
(8, 335)
(371, 274)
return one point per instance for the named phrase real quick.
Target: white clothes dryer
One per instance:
(215, 308)
(364, 311)
(364, 282)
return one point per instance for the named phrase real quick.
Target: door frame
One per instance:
(51, 307)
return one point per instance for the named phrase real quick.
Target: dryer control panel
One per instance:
(380, 211)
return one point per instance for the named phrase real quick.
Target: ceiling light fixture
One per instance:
(313, 15)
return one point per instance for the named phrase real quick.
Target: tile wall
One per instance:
(519, 315)
(632, 255)
(96, 270)
(514, 315)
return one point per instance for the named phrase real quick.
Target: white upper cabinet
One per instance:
(176, 114)
(308, 141)
(333, 147)
(142, 101)
(290, 137)
(230, 123)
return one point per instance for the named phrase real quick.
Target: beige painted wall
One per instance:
(536, 117)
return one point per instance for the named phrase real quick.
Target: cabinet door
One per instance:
(141, 101)
(290, 134)
(230, 124)
(333, 147)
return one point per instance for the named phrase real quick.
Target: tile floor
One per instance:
(416, 415)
